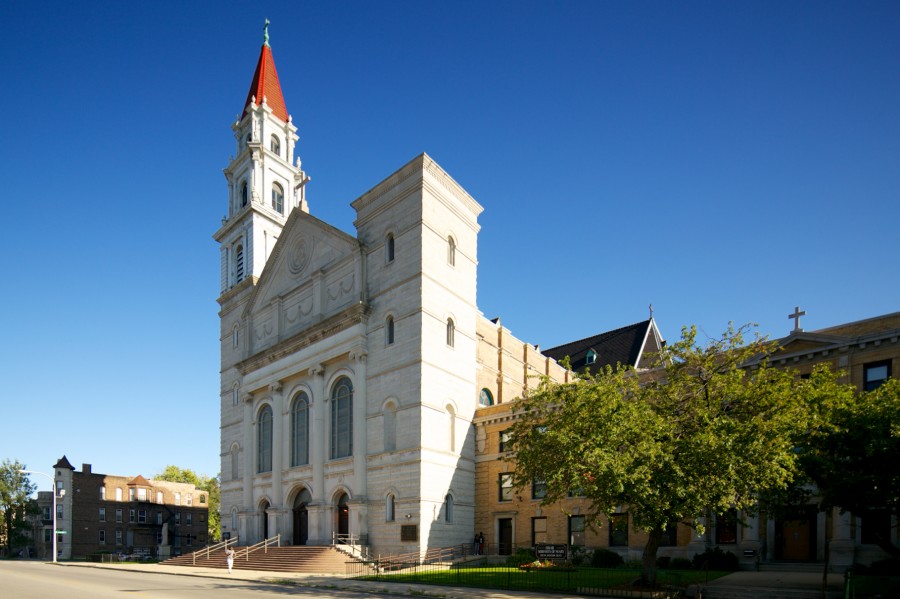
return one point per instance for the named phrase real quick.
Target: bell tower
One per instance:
(264, 186)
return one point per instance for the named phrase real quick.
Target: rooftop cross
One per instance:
(796, 316)
(266, 33)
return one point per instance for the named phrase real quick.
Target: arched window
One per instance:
(389, 330)
(235, 395)
(277, 198)
(275, 145)
(300, 430)
(235, 336)
(239, 264)
(389, 508)
(244, 194)
(451, 251)
(390, 427)
(234, 520)
(234, 462)
(451, 425)
(264, 440)
(389, 248)
(485, 398)
(448, 508)
(342, 419)
(451, 332)
(591, 357)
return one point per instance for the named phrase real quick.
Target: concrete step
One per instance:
(307, 559)
(791, 567)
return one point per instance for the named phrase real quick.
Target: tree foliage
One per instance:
(853, 460)
(15, 490)
(209, 484)
(699, 432)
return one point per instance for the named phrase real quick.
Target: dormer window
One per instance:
(591, 357)
(278, 198)
(275, 145)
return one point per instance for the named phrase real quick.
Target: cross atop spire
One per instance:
(265, 83)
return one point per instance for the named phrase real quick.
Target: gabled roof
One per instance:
(139, 481)
(622, 346)
(265, 85)
(63, 463)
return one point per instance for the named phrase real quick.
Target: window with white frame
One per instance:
(875, 374)
(451, 332)
(118, 536)
(119, 516)
(275, 145)
(189, 499)
(102, 493)
(118, 494)
(142, 494)
(142, 516)
(264, 440)
(389, 248)
(278, 198)
(389, 330)
(102, 515)
(300, 430)
(177, 498)
(342, 419)
(159, 497)
(101, 537)
(389, 508)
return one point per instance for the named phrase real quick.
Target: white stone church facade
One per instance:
(348, 364)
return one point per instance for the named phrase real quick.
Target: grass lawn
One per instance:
(502, 577)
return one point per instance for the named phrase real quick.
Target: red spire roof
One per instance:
(265, 85)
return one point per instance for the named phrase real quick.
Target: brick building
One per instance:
(119, 514)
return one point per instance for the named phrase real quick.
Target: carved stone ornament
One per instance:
(300, 255)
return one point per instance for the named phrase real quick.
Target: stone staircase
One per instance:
(301, 558)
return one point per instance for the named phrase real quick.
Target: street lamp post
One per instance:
(53, 492)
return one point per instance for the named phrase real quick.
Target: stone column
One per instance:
(277, 453)
(750, 546)
(249, 456)
(698, 541)
(842, 545)
(359, 508)
(317, 455)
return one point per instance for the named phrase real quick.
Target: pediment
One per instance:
(806, 342)
(308, 248)
(314, 273)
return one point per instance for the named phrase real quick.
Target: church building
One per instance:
(349, 364)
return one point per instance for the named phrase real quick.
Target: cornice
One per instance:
(345, 319)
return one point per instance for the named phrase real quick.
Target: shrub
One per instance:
(579, 555)
(885, 567)
(522, 555)
(716, 559)
(604, 558)
(680, 563)
(663, 561)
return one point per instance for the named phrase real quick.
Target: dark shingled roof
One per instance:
(613, 347)
(64, 463)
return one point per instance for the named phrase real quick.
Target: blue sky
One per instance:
(724, 161)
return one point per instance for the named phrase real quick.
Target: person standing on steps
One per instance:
(229, 557)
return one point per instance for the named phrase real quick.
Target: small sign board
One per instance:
(409, 532)
(551, 552)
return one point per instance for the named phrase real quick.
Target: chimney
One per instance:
(86, 468)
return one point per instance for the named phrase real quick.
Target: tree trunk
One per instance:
(648, 561)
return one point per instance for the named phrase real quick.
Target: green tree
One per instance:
(698, 433)
(15, 490)
(853, 460)
(210, 484)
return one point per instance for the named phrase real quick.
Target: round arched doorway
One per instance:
(264, 519)
(343, 518)
(301, 517)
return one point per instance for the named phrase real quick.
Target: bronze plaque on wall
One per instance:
(409, 532)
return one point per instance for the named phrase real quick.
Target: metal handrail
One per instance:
(264, 545)
(210, 548)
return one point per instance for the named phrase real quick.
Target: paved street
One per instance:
(38, 580)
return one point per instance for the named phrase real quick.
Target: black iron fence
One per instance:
(489, 572)
(871, 587)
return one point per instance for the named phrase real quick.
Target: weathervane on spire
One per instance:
(266, 33)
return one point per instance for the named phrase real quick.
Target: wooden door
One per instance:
(796, 535)
(301, 525)
(505, 536)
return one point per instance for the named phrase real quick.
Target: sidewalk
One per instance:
(324, 581)
(757, 580)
